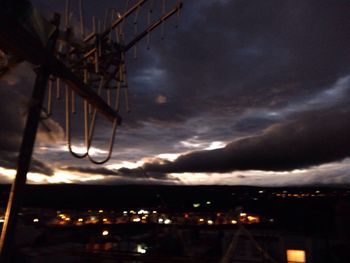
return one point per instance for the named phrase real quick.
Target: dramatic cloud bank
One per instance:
(315, 138)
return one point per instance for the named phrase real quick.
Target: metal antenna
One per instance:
(81, 16)
(95, 61)
(136, 29)
(49, 97)
(68, 128)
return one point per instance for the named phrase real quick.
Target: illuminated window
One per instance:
(296, 256)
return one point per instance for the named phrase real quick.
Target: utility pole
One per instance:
(25, 153)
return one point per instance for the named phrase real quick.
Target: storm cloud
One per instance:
(315, 138)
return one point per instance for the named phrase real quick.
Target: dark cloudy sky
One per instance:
(243, 92)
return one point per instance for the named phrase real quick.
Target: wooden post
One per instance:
(25, 154)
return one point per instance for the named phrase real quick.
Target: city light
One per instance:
(148, 215)
(141, 249)
(253, 219)
(105, 233)
(141, 212)
(62, 216)
(167, 221)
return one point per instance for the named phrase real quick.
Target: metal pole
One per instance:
(25, 156)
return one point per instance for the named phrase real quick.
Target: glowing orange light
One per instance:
(253, 219)
(296, 256)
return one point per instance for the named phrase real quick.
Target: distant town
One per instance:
(82, 223)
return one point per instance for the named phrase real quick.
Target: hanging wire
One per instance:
(119, 85)
(73, 102)
(111, 143)
(86, 124)
(81, 16)
(92, 131)
(136, 29)
(58, 88)
(99, 46)
(110, 15)
(68, 129)
(49, 97)
(115, 14)
(94, 29)
(125, 84)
